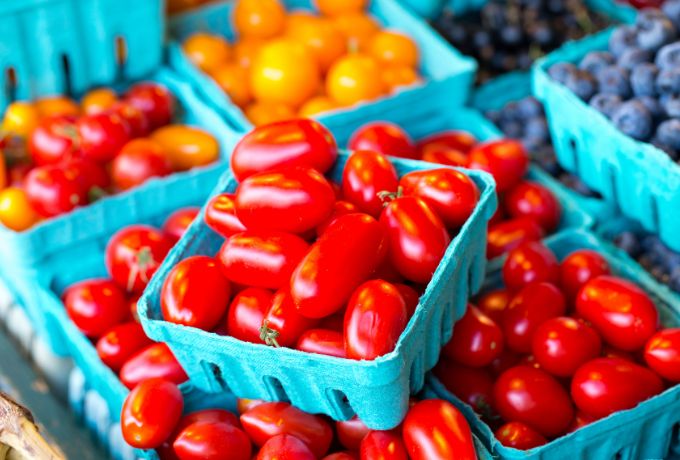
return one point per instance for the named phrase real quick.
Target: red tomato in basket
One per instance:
(477, 340)
(375, 318)
(471, 385)
(444, 156)
(662, 354)
(383, 137)
(535, 398)
(138, 161)
(519, 436)
(195, 293)
(619, 310)
(210, 440)
(137, 123)
(155, 101)
(582, 419)
(284, 447)
(533, 200)
(416, 236)
(246, 313)
(561, 345)
(208, 415)
(220, 215)
(342, 456)
(54, 190)
(286, 320)
(351, 432)
(493, 304)
(365, 176)
(153, 361)
(150, 413)
(509, 234)
(95, 306)
(300, 142)
(451, 194)
(528, 263)
(101, 136)
(178, 222)
(506, 160)
(321, 284)
(340, 208)
(383, 445)
(453, 140)
(121, 343)
(54, 140)
(579, 267)
(292, 200)
(410, 296)
(434, 429)
(134, 254)
(606, 385)
(92, 177)
(261, 258)
(267, 420)
(323, 342)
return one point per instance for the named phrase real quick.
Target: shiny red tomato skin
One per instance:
(535, 201)
(54, 190)
(284, 318)
(267, 420)
(208, 415)
(619, 310)
(375, 318)
(210, 440)
(321, 284)
(101, 135)
(323, 342)
(417, 238)
(444, 156)
(150, 413)
(195, 293)
(506, 160)
(579, 267)
(477, 340)
(451, 194)
(340, 208)
(155, 101)
(285, 447)
(246, 313)
(535, 398)
(581, 419)
(178, 222)
(530, 263)
(383, 137)
(138, 161)
(662, 354)
(293, 200)
(493, 304)
(410, 296)
(561, 345)
(519, 436)
(135, 120)
(54, 140)
(471, 385)
(533, 305)
(261, 258)
(120, 343)
(220, 215)
(434, 429)
(300, 142)
(342, 456)
(351, 432)
(382, 445)
(95, 306)
(508, 234)
(90, 175)
(366, 174)
(134, 254)
(606, 385)
(457, 140)
(153, 361)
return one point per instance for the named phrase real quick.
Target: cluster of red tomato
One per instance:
(528, 210)
(282, 274)
(152, 418)
(105, 309)
(62, 155)
(562, 345)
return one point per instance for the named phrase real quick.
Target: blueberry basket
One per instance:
(377, 391)
(647, 431)
(51, 47)
(447, 74)
(32, 258)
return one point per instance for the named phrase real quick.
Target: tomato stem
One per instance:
(387, 197)
(269, 335)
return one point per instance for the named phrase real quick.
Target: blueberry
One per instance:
(643, 79)
(494, 116)
(543, 34)
(654, 30)
(511, 35)
(561, 71)
(674, 280)
(633, 119)
(596, 60)
(614, 80)
(672, 10)
(668, 81)
(530, 107)
(623, 38)
(512, 129)
(633, 57)
(482, 38)
(582, 84)
(606, 104)
(668, 132)
(671, 105)
(668, 150)
(511, 112)
(653, 105)
(628, 241)
(537, 128)
(668, 57)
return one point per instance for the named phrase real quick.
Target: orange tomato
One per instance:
(21, 118)
(263, 113)
(393, 48)
(207, 51)
(284, 71)
(57, 105)
(338, 7)
(98, 100)
(317, 105)
(245, 51)
(322, 39)
(354, 78)
(259, 18)
(233, 79)
(298, 18)
(186, 146)
(358, 29)
(399, 75)
(16, 212)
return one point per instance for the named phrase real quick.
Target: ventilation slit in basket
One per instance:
(275, 389)
(66, 68)
(121, 55)
(339, 404)
(10, 84)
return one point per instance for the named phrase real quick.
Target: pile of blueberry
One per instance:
(636, 82)
(525, 121)
(507, 35)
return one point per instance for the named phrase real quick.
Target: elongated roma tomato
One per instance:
(209, 440)
(246, 313)
(579, 267)
(477, 340)
(509, 234)
(285, 446)
(365, 176)
(383, 445)
(323, 342)
(95, 306)
(383, 137)
(220, 215)
(156, 360)
(121, 343)
(662, 354)
(286, 320)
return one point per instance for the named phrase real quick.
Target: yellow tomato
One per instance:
(354, 78)
(263, 113)
(399, 75)
(98, 100)
(393, 48)
(317, 105)
(186, 146)
(16, 212)
(245, 51)
(358, 29)
(233, 79)
(338, 7)
(57, 105)
(259, 18)
(207, 51)
(21, 118)
(322, 39)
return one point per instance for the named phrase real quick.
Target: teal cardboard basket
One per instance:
(33, 258)
(58, 46)
(648, 431)
(447, 74)
(376, 391)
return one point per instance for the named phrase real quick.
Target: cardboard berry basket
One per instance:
(647, 431)
(447, 75)
(33, 259)
(376, 391)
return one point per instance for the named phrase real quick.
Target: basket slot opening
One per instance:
(340, 404)
(217, 372)
(275, 389)
(447, 321)
(654, 213)
(612, 184)
(66, 68)
(573, 150)
(120, 54)
(11, 83)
